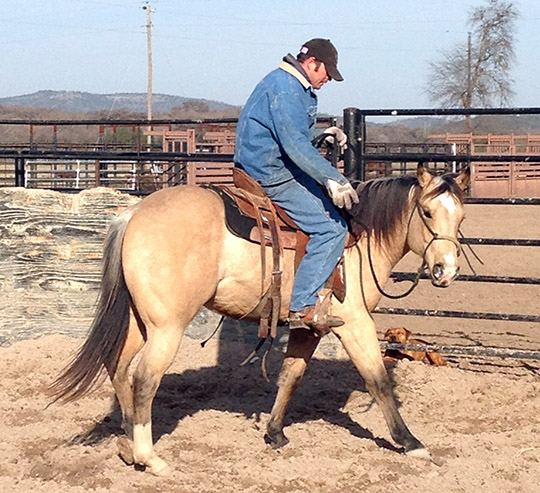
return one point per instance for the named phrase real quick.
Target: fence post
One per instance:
(97, 173)
(19, 172)
(361, 148)
(354, 123)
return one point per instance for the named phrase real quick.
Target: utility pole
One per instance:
(468, 96)
(149, 11)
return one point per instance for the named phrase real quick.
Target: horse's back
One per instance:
(177, 217)
(181, 204)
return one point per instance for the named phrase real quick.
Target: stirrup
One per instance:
(316, 317)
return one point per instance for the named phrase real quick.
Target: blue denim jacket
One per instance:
(275, 129)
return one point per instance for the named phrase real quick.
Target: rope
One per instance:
(462, 236)
(372, 268)
(263, 361)
(218, 326)
(415, 281)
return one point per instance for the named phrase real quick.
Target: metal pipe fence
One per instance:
(494, 352)
(127, 170)
(356, 158)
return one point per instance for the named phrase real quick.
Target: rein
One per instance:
(434, 237)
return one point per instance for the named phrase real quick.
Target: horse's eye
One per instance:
(427, 214)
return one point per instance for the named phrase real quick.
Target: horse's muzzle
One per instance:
(442, 276)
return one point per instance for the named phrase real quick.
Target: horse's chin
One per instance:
(441, 284)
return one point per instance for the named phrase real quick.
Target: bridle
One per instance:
(434, 237)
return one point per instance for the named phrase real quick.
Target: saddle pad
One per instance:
(243, 226)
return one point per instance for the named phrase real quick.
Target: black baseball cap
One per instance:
(324, 51)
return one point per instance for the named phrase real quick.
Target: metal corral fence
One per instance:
(356, 165)
(136, 156)
(143, 170)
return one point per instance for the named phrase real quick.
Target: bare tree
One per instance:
(476, 74)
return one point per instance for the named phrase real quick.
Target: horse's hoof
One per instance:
(158, 467)
(277, 440)
(125, 450)
(420, 453)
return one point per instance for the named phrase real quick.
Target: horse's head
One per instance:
(434, 224)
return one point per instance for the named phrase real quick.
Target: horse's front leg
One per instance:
(359, 339)
(301, 346)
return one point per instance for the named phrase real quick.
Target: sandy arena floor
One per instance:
(479, 418)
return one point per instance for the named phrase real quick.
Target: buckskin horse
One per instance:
(172, 253)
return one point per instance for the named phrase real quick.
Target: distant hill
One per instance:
(85, 102)
(49, 104)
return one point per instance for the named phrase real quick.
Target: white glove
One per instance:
(342, 195)
(335, 133)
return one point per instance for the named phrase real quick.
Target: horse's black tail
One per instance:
(109, 328)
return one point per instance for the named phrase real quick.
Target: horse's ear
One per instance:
(462, 180)
(424, 176)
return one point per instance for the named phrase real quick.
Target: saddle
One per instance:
(251, 214)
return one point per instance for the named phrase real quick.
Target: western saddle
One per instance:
(267, 224)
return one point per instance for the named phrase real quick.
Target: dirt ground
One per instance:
(480, 419)
(481, 428)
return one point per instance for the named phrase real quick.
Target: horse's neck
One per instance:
(383, 255)
(395, 246)
(398, 249)
(374, 265)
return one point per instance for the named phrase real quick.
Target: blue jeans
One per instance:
(314, 213)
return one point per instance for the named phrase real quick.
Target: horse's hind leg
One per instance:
(157, 355)
(300, 349)
(122, 385)
(360, 341)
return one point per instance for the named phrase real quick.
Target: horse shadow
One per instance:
(324, 393)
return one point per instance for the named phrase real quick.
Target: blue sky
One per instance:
(219, 50)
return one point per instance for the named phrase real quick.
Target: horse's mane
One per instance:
(384, 201)
(448, 184)
(382, 204)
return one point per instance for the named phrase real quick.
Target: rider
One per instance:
(273, 145)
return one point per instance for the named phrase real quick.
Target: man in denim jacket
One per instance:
(273, 145)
